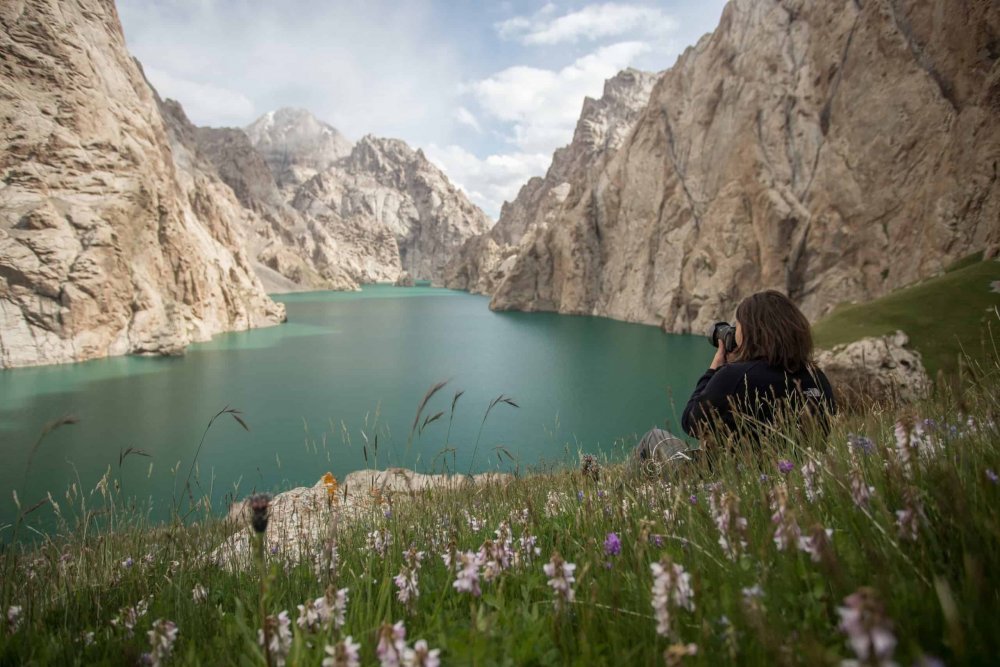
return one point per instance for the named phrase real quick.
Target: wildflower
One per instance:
(671, 588)
(326, 560)
(127, 563)
(279, 637)
(526, 549)
(128, 616)
(786, 532)
(657, 540)
(612, 545)
(904, 447)
(340, 608)
(391, 644)
(475, 524)
(693, 499)
(785, 466)
(407, 579)
(87, 638)
(579, 496)
(379, 541)
(344, 653)
(907, 523)
(561, 579)
(591, 468)
(752, 594)
(817, 545)
(861, 443)
(148, 559)
(869, 632)
(861, 493)
(675, 653)
(467, 575)
(161, 639)
(519, 516)
(810, 480)
(260, 506)
(315, 614)
(199, 593)
(554, 503)
(991, 475)
(13, 618)
(725, 508)
(420, 656)
(763, 478)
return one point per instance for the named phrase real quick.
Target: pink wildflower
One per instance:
(344, 653)
(561, 579)
(869, 632)
(391, 644)
(671, 588)
(161, 639)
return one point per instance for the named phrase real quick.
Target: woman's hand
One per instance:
(720, 357)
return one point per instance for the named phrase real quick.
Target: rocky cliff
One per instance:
(108, 243)
(833, 150)
(483, 261)
(396, 210)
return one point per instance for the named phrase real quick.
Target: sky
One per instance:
(487, 90)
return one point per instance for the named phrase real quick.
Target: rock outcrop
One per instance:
(878, 368)
(832, 150)
(484, 261)
(108, 243)
(394, 210)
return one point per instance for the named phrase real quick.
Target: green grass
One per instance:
(936, 590)
(943, 316)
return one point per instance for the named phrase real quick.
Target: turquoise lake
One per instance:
(345, 366)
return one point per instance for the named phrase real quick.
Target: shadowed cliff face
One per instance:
(835, 151)
(108, 244)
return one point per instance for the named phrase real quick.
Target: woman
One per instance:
(743, 393)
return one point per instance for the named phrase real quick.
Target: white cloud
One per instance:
(202, 100)
(465, 117)
(489, 181)
(592, 22)
(543, 105)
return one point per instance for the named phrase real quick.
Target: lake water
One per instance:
(346, 364)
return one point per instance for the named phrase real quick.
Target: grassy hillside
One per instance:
(878, 544)
(942, 315)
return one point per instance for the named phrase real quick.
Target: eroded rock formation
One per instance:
(108, 243)
(485, 260)
(833, 150)
(882, 368)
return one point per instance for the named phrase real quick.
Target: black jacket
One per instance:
(755, 389)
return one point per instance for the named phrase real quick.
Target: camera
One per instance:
(725, 332)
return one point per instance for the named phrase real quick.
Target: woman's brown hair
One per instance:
(774, 329)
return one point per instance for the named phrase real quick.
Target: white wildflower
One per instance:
(408, 578)
(315, 614)
(199, 593)
(421, 656)
(869, 632)
(279, 637)
(391, 644)
(14, 618)
(725, 508)
(161, 640)
(344, 653)
(555, 503)
(561, 579)
(340, 608)
(671, 588)
(379, 540)
(811, 480)
(467, 573)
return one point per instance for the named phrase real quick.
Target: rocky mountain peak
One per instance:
(295, 144)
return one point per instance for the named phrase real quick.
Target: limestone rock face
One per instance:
(392, 209)
(484, 261)
(288, 252)
(108, 244)
(296, 145)
(832, 150)
(879, 368)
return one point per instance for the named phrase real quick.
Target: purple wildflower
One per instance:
(991, 475)
(764, 478)
(693, 499)
(579, 496)
(657, 540)
(612, 545)
(862, 443)
(785, 466)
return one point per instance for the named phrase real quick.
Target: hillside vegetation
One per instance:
(945, 316)
(879, 543)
